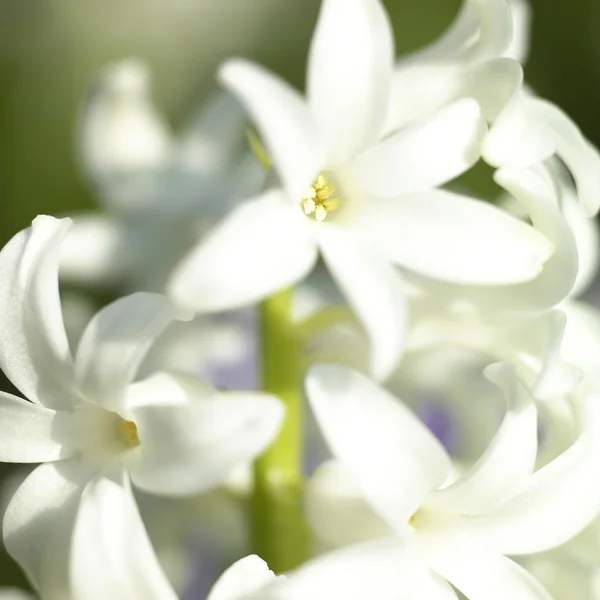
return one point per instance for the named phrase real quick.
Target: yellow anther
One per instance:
(318, 199)
(414, 520)
(127, 433)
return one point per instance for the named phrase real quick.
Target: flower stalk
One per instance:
(279, 531)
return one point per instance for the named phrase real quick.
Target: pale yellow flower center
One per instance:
(319, 200)
(127, 433)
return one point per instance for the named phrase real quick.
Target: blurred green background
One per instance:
(51, 50)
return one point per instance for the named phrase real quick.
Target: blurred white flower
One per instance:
(392, 479)
(159, 194)
(365, 203)
(473, 59)
(90, 425)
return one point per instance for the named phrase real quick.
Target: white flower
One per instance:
(392, 480)
(88, 423)
(159, 194)
(365, 204)
(473, 59)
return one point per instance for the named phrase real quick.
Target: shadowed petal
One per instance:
(389, 453)
(34, 351)
(115, 343)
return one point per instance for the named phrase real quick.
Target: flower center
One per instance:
(319, 200)
(127, 433)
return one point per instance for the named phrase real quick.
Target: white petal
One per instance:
(482, 30)
(34, 351)
(115, 343)
(164, 388)
(38, 523)
(579, 155)
(419, 89)
(556, 279)
(557, 376)
(338, 511)
(425, 155)
(587, 238)
(283, 119)
(187, 449)
(431, 78)
(262, 247)
(381, 569)
(508, 461)
(349, 73)
(29, 432)
(373, 290)
(495, 30)
(482, 576)
(90, 252)
(120, 127)
(560, 499)
(432, 587)
(516, 138)
(244, 576)
(560, 271)
(112, 554)
(521, 18)
(581, 343)
(453, 238)
(214, 135)
(392, 457)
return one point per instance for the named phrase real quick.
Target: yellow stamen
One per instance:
(318, 198)
(127, 433)
(413, 521)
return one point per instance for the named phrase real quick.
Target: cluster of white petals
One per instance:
(446, 356)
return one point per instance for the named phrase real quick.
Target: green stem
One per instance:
(279, 531)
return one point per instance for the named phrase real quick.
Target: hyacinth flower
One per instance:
(363, 202)
(90, 424)
(398, 484)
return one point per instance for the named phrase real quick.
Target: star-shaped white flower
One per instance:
(365, 203)
(87, 421)
(391, 479)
